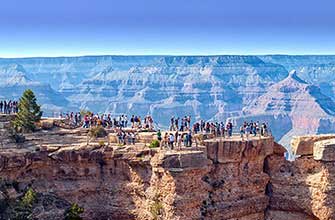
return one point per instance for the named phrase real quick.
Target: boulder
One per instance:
(47, 124)
(303, 145)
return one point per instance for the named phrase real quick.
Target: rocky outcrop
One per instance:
(225, 179)
(236, 179)
(303, 145)
(303, 188)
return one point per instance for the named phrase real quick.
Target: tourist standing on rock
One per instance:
(166, 140)
(254, 129)
(171, 141)
(185, 139)
(86, 122)
(133, 137)
(1, 106)
(125, 121)
(222, 127)
(172, 123)
(132, 121)
(189, 139)
(230, 129)
(179, 141)
(242, 131)
(248, 130)
(5, 107)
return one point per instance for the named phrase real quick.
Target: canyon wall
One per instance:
(225, 179)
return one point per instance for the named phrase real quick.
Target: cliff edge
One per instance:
(221, 179)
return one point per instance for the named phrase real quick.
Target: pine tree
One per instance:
(29, 112)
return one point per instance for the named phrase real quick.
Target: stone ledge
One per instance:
(324, 150)
(233, 150)
(303, 145)
(185, 160)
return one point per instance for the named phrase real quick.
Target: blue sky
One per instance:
(176, 27)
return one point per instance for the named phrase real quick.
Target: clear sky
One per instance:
(188, 27)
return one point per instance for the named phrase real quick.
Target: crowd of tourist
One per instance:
(254, 129)
(180, 133)
(9, 106)
(217, 128)
(177, 139)
(88, 120)
(185, 123)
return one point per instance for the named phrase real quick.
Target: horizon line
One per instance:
(164, 55)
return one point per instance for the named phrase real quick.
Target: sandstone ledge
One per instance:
(303, 145)
(324, 150)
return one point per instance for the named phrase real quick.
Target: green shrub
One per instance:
(97, 132)
(29, 198)
(154, 144)
(156, 209)
(73, 213)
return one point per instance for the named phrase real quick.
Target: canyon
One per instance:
(218, 179)
(214, 88)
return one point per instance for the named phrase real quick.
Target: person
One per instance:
(119, 135)
(133, 138)
(86, 122)
(171, 141)
(132, 121)
(179, 140)
(254, 129)
(247, 130)
(176, 124)
(172, 123)
(166, 140)
(185, 139)
(125, 121)
(5, 107)
(222, 129)
(1, 105)
(189, 139)
(242, 131)
(230, 129)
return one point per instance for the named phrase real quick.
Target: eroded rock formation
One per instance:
(225, 179)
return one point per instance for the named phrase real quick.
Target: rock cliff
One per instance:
(223, 179)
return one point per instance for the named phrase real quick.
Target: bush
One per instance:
(97, 132)
(73, 213)
(154, 144)
(17, 137)
(156, 210)
(29, 198)
(47, 124)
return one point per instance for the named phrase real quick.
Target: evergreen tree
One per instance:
(29, 112)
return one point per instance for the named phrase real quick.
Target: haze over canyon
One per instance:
(294, 94)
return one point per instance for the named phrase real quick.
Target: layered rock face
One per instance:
(293, 107)
(224, 179)
(144, 184)
(303, 189)
(236, 179)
